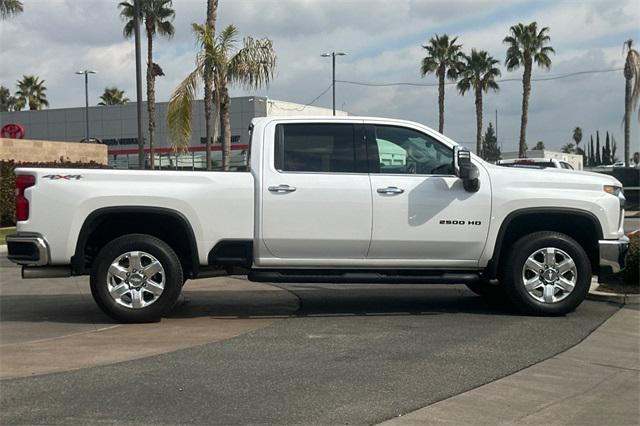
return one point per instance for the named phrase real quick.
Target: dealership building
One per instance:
(116, 127)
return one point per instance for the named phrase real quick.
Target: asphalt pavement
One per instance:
(596, 382)
(349, 354)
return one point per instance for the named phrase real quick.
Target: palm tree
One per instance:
(113, 96)
(212, 14)
(31, 91)
(10, 8)
(631, 92)
(577, 135)
(478, 72)
(568, 148)
(539, 146)
(526, 46)
(251, 67)
(157, 16)
(443, 59)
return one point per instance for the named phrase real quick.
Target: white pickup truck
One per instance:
(347, 199)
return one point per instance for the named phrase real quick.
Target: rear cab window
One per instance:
(318, 148)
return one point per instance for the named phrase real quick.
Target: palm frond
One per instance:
(10, 8)
(253, 65)
(180, 109)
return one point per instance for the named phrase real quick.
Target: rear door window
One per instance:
(315, 147)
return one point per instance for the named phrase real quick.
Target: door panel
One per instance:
(316, 196)
(421, 213)
(434, 219)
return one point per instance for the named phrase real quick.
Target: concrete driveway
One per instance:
(236, 352)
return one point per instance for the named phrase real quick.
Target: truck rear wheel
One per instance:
(136, 278)
(547, 273)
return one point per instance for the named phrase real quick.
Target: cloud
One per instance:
(54, 38)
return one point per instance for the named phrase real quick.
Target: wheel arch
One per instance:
(581, 225)
(105, 224)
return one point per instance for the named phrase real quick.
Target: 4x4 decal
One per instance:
(65, 177)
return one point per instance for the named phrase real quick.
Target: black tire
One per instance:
(487, 290)
(173, 278)
(513, 273)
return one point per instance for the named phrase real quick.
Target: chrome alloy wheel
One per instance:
(135, 279)
(549, 275)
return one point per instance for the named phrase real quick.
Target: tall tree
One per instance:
(592, 155)
(577, 135)
(478, 72)
(250, 66)
(598, 157)
(490, 149)
(157, 16)
(631, 92)
(614, 148)
(606, 151)
(10, 8)
(443, 59)
(527, 46)
(31, 91)
(7, 102)
(539, 146)
(113, 96)
(210, 130)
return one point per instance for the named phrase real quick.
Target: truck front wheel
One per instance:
(136, 278)
(547, 273)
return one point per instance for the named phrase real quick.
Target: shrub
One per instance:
(632, 271)
(8, 182)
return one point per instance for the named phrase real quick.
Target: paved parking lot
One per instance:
(236, 352)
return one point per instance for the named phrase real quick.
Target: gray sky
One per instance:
(383, 38)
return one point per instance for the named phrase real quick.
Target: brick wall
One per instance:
(27, 150)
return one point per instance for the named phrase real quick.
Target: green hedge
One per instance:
(8, 184)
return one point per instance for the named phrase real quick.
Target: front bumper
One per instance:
(612, 256)
(27, 249)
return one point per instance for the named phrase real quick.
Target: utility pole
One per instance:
(136, 24)
(333, 78)
(86, 100)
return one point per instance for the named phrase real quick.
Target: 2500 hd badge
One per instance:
(460, 222)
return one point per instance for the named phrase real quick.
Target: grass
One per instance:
(4, 232)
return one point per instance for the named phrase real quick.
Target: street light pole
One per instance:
(86, 100)
(333, 74)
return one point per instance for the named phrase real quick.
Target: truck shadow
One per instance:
(295, 301)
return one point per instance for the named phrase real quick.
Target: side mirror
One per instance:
(466, 170)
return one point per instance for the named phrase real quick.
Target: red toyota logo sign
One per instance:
(12, 130)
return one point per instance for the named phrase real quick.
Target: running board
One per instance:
(379, 277)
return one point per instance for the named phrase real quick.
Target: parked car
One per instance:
(328, 199)
(535, 163)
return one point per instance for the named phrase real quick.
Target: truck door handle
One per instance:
(390, 190)
(281, 189)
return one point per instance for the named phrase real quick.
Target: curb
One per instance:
(620, 298)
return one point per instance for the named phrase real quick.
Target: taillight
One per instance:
(22, 204)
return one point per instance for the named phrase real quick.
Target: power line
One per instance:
(504, 80)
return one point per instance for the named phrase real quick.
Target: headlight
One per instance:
(612, 189)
